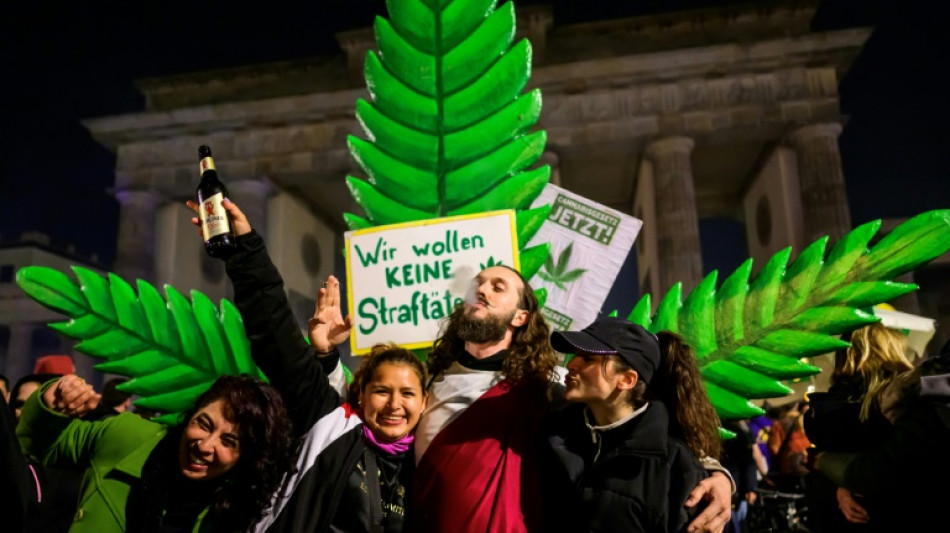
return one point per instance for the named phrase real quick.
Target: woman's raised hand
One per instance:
(72, 396)
(328, 327)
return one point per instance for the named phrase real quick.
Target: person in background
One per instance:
(760, 427)
(113, 401)
(24, 387)
(848, 418)
(215, 471)
(5, 388)
(739, 456)
(17, 483)
(900, 473)
(624, 455)
(789, 446)
(56, 489)
(55, 364)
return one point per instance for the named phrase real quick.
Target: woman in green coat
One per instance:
(215, 472)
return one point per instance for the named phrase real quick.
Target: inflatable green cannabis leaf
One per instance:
(750, 335)
(173, 350)
(448, 126)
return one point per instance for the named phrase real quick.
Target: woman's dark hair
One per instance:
(266, 444)
(530, 355)
(31, 378)
(267, 451)
(678, 384)
(379, 355)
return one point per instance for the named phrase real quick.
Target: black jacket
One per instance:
(629, 478)
(905, 472)
(326, 488)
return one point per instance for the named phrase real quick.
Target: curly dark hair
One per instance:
(530, 355)
(379, 355)
(267, 448)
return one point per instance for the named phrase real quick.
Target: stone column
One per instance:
(553, 160)
(251, 196)
(135, 249)
(824, 200)
(19, 351)
(535, 22)
(677, 223)
(355, 44)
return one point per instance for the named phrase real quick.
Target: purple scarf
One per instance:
(389, 448)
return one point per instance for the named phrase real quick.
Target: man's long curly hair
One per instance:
(267, 451)
(530, 355)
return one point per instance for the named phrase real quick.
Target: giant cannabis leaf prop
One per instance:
(447, 128)
(750, 335)
(173, 350)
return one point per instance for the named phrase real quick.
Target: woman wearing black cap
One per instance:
(624, 455)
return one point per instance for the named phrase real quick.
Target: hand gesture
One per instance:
(72, 396)
(241, 225)
(328, 328)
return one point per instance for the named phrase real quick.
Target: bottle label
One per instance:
(214, 218)
(206, 163)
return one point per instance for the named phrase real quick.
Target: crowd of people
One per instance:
(490, 434)
(855, 458)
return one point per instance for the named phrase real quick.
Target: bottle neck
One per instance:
(206, 164)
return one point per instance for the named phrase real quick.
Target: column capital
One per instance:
(536, 21)
(814, 131)
(355, 44)
(666, 145)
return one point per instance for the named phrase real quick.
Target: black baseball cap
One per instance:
(613, 335)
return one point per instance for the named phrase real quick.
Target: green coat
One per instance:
(112, 452)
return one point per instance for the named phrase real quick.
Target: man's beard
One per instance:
(491, 328)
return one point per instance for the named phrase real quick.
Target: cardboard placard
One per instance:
(403, 279)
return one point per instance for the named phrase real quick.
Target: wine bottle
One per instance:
(216, 227)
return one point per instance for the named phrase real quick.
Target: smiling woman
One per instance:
(214, 473)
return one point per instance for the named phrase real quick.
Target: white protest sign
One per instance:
(404, 278)
(589, 243)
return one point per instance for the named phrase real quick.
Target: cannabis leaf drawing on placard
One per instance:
(172, 349)
(447, 127)
(751, 335)
(558, 273)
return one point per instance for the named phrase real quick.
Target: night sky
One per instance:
(66, 61)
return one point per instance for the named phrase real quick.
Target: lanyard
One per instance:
(375, 498)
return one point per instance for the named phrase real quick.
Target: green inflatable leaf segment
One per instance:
(448, 126)
(751, 334)
(172, 349)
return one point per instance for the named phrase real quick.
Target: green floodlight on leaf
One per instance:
(171, 349)
(751, 335)
(448, 126)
